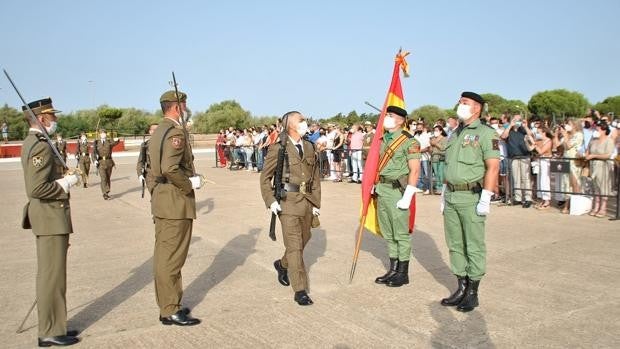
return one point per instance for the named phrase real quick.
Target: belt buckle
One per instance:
(302, 187)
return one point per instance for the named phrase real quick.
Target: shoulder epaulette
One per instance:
(406, 133)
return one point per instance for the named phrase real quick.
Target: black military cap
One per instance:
(397, 110)
(42, 106)
(473, 95)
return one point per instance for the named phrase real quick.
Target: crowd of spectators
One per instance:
(542, 162)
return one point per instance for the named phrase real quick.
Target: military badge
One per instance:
(495, 143)
(414, 148)
(37, 161)
(177, 143)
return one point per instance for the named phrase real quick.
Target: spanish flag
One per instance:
(394, 97)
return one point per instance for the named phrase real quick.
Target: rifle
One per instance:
(183, 121)
(278, 191)
(41, 127)
(143, 174)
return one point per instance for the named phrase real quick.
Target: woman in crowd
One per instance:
(599, 153)
(220, 145)
(337, 154)
(321, 147)
(572, 140)
(543, 147)
(357, 142)
(438, 155)
(248, 150)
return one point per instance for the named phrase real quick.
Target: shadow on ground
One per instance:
(231, 256)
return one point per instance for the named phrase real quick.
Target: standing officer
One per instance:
(301, 204)
(399, 167)
(49, 215)
(144, 162)
(61, 146)
(171, 182)
(103, 160)
(472, 167)
(82, 154)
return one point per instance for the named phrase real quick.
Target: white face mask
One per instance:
(103, 136)
(302, 128)
(59, 139)
(495, 126)
(51, 128)
(83, 138)
(436, 133)
(463, 112)
(538, 136)
(596, 134)
(568, 128)
(389, 123)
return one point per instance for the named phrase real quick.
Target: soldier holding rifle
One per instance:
(296, 199)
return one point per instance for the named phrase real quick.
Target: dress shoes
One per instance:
(302, 298)
(180, 318)
(72, 333)
(282, 273)
(57, 340)
(527, 204)
(106, 197)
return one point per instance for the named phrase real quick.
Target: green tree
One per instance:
(430, 114)
(609, 105)
(222, 115)
(556, 103)
(498, 105)
(18, 127)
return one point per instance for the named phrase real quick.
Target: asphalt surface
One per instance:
(551, 279)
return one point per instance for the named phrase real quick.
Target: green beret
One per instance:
(397, 110)
(171, 96)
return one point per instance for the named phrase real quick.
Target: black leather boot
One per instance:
(470, 301)
(391, 272)
(402, 275)
(458, 295)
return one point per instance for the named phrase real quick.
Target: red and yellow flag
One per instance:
(394, 97)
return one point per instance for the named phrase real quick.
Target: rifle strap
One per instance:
(161, 146)
(389, 153)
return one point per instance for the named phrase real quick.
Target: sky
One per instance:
(318, 57)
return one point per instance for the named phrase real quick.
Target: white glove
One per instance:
(140, 179)
(68, 181)
(275, 207)
(197, 181)
(316, 211)
(115, 139)
(442, 200)
(484, 205)
(404, 203)
(96, 162)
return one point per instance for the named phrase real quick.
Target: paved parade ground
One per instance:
(552, 279)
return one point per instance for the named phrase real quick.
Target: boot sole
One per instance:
(396, 285)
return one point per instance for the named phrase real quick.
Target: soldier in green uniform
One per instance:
(82, 154)
(171, 182)
(102, 154)
(472, 165)
(399, 166)
(299, 207)
(61, 146)
(48, 214)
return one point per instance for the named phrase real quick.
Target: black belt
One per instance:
(84, 154)
(290, 187)
(394, 182)
(474, 187)
(161, 179)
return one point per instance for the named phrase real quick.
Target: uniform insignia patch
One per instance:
(37, 161)
(495, 143)
(177, 143)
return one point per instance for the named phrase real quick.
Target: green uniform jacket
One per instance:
(171, 163)
(467, 150)
(82, 150)
(398, 165)
(48, 209)
(301, 170)
(103, 152)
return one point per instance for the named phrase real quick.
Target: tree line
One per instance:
(554, 104)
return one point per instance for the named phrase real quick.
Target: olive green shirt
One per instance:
(398, 165)
(467, 150)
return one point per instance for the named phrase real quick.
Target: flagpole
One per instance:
(356, 253)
